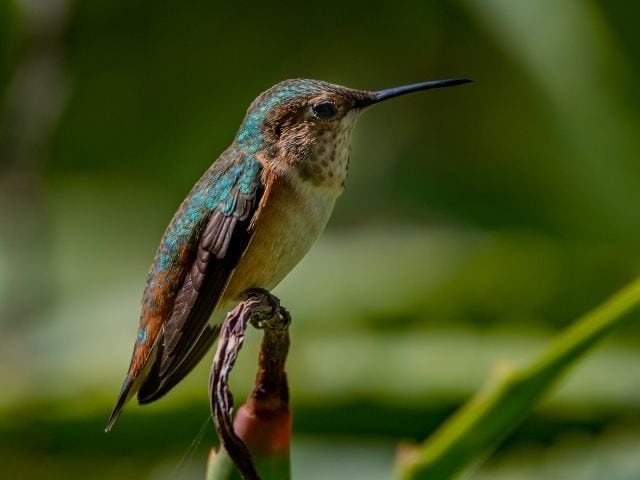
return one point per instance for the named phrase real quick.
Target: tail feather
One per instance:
(150, 384)
(132, 384)
(125, 395)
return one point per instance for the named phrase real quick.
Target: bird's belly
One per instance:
(288, 225)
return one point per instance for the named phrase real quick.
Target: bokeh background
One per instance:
(478, 221)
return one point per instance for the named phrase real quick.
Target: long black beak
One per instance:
(381, 95)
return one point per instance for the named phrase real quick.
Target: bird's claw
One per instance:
(267, 313)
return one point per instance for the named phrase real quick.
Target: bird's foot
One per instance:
(267, 312)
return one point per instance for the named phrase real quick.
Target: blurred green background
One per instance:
(477, 222)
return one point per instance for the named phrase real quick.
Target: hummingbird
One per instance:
(246, 223)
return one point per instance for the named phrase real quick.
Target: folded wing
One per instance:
(197, 255)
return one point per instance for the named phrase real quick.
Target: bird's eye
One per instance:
(324, 110)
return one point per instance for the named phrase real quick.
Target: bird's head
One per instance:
(305, 125)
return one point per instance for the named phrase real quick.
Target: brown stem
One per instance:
(264, 421)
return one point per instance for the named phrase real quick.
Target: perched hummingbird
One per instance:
(246, 223)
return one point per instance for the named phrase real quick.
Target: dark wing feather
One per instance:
(156, 386)
(203, 286)
(222, 243)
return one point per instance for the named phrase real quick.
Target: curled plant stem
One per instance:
(264, 421)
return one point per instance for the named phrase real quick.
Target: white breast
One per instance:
(289, 224)
(302, 217)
